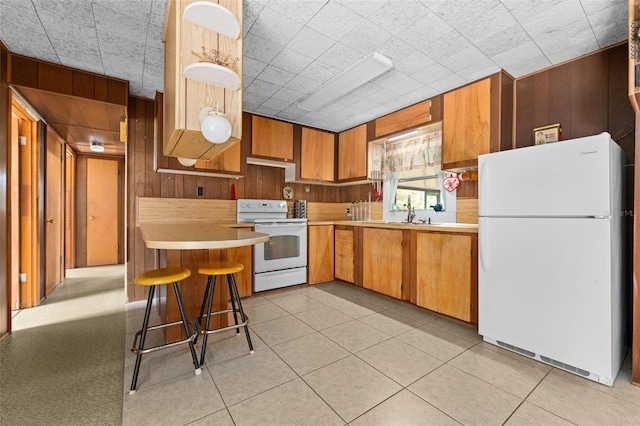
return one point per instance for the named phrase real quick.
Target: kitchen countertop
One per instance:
(435, 226)
(200, 235)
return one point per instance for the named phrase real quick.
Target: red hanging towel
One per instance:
(232, 192)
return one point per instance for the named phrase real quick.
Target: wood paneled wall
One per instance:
(586, 96)
(5, 117)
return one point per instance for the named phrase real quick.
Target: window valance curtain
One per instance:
(414, 153)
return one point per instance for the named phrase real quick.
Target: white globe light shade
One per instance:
(215, 127)
(187, 162)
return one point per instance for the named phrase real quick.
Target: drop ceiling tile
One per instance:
(395, 17)
(302, 84)
(250, 12)
(340, 56)
(365, 37)
(413, 63)
(259, 48)
(610, 33)
(249, 105)
(425, 31)
(404, 86)
(252, 67)
(132, 27)
(246, 81)
(522, 10)
(275, 75)
(275, 26)
(320, 71)
(431, 73)
(291, 60)
(445, 45)
(263, 88)
(447, 83)
(363, 8)
(310, 42)
(89, 61)
(464, 58)
(383, 96)
(292, 111)
(485, 24)
(288, 95)
(301, 11)
(476, 73)
(453, 11)
(420, 94)
(522, 60)
(335, 21)
(395, 49)
(506, 39)
(263, 110)
(276, 104)
(288, 115)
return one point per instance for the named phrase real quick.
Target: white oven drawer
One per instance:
(278, 279)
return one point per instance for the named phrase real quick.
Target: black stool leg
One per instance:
(242, 315)
(186, 328)
(208, 294)
(233, 303)
(145, 325)
(202, 307)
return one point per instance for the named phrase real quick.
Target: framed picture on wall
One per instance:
(547, 134)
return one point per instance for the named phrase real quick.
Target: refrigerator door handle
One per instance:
(483, 176)
(484, 252)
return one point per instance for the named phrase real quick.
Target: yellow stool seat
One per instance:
(162, 276)
(221, 268)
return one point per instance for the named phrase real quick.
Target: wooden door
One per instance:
(54, 202)
(382, 261)
(102, 212)
(321, 251)
(455, 296)
(352, 153)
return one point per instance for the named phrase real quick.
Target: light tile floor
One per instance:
(336, 354)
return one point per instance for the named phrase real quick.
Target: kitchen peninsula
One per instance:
(187, 233)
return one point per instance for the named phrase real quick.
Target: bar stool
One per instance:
(213, 270)
(152, 279)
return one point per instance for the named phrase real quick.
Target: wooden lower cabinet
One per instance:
(244, 279)
(382, 255)
(446, 274)
(345, 253)
(321, 254)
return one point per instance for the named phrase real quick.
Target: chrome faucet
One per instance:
(411, 210)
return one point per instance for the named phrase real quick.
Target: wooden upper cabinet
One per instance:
(317, 160)
(467, 124)
(271, 138)
(406, 118)
(352, 153)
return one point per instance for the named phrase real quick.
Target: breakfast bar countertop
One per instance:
(197, 235)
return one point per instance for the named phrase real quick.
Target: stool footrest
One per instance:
(230, 327)
(190, 338)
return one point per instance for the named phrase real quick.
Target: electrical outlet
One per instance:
(200, 191)
(22, 277)
(307, 189)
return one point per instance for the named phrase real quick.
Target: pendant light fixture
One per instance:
(214, 125)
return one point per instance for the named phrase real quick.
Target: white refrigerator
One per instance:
(550, 254)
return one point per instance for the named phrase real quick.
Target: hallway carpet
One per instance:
(63, 364)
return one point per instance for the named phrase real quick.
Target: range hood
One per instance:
(185, 97)
(289, 168)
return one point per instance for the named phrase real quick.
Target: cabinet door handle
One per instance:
(51, 221)
(91, 217)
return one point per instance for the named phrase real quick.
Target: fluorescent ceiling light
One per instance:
(356, 75)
